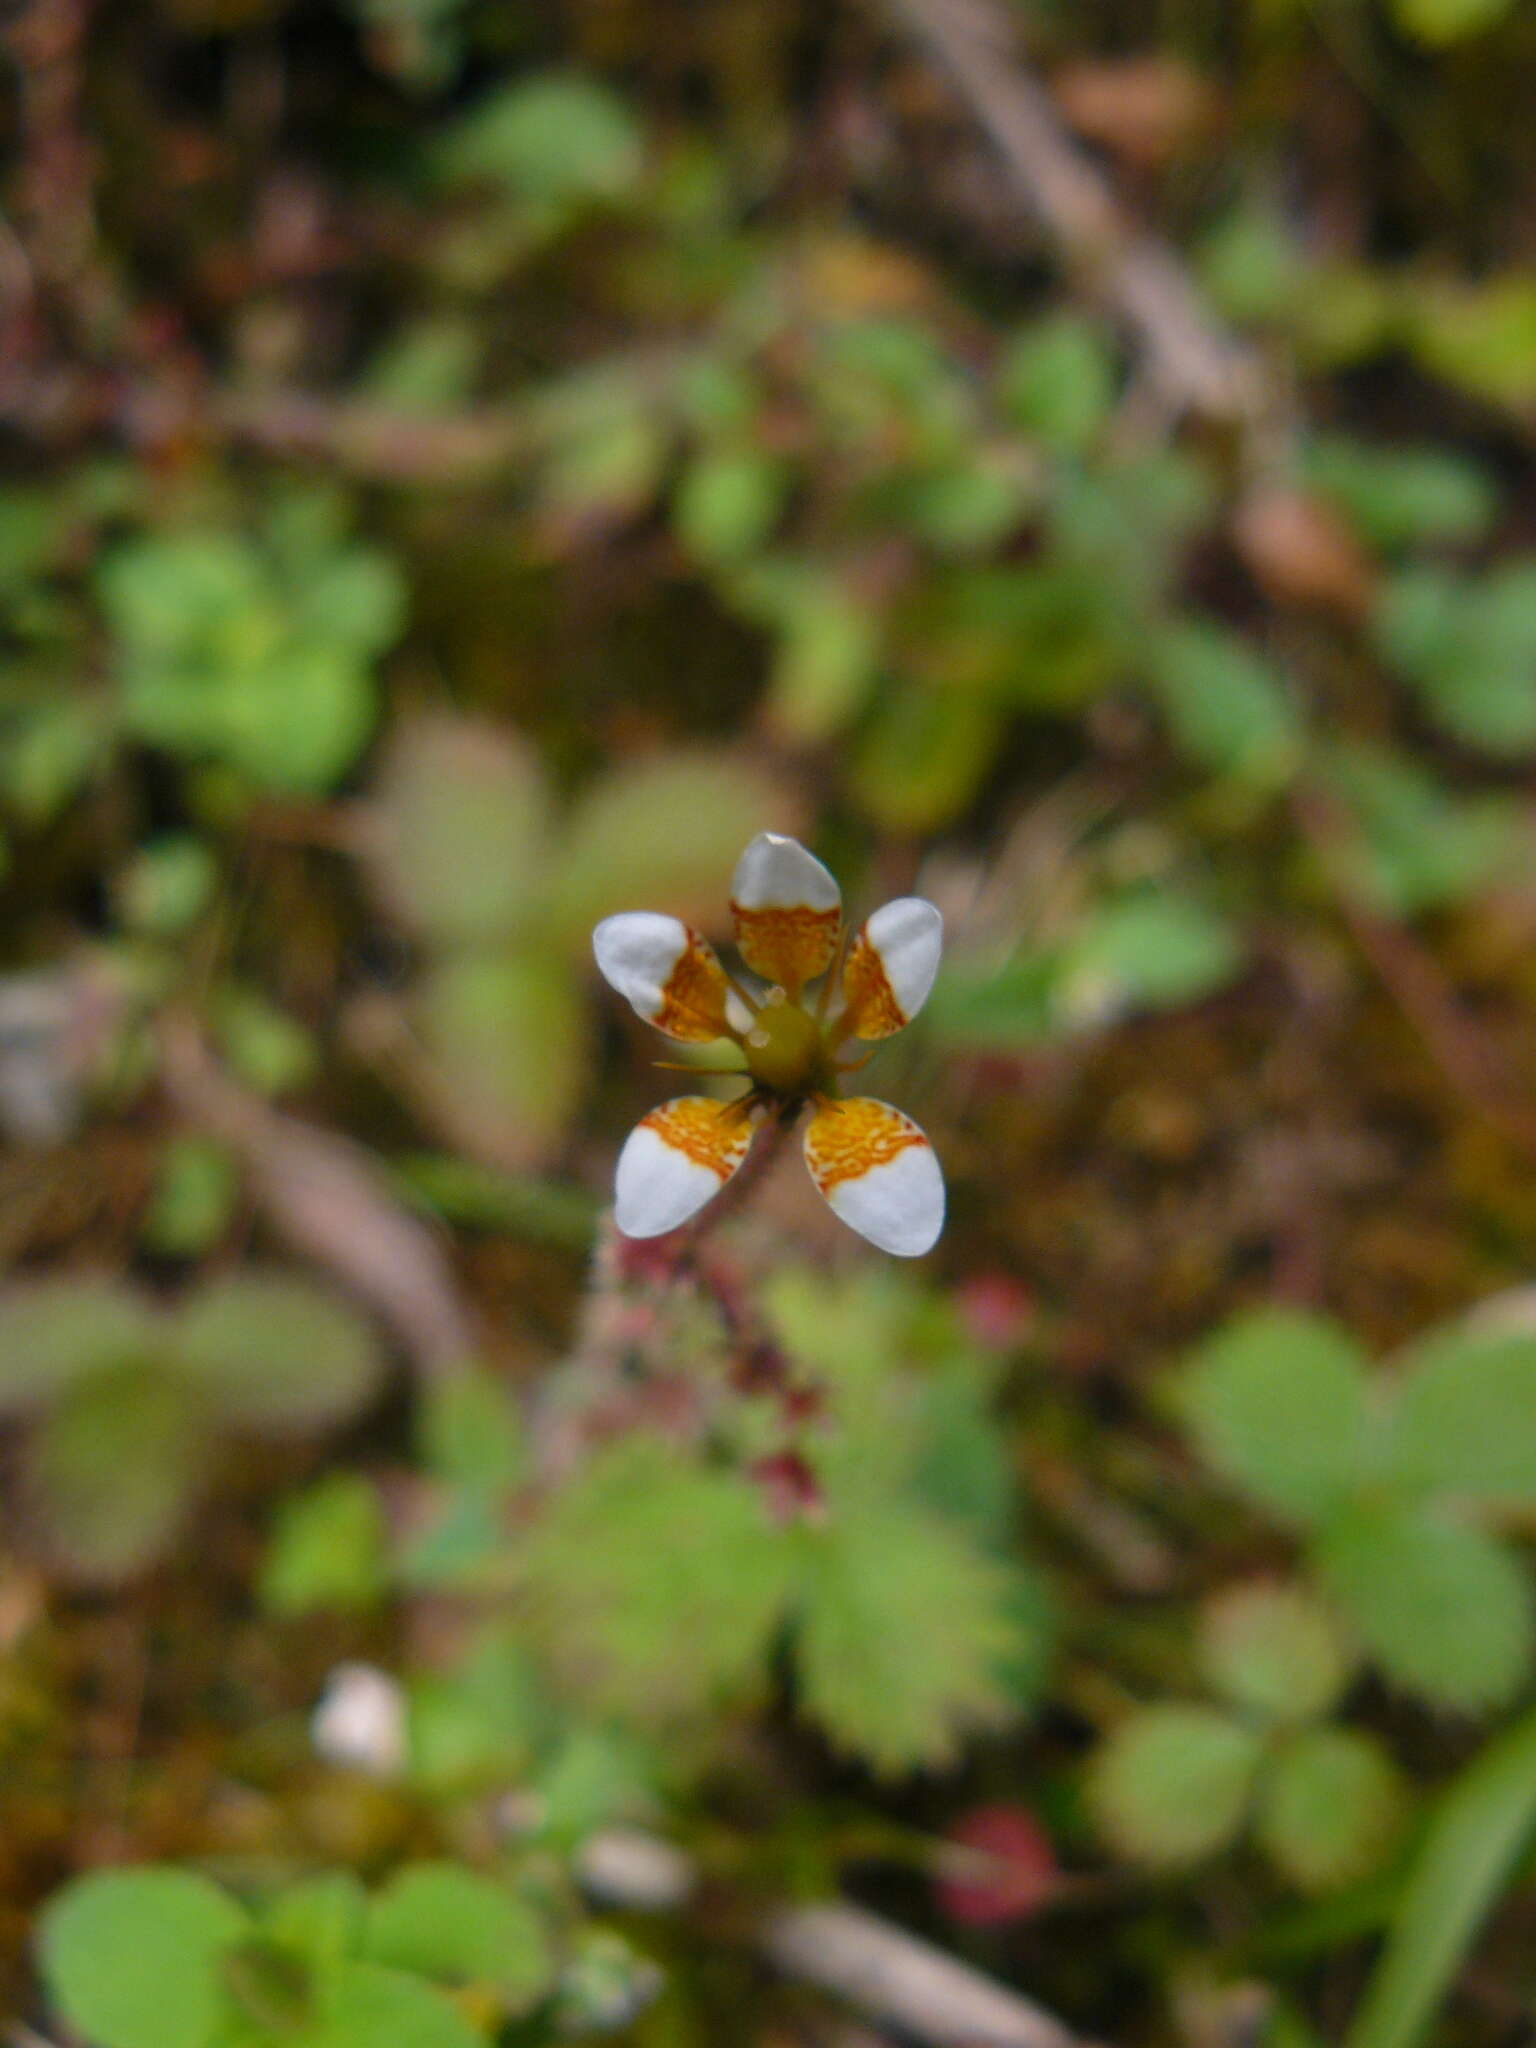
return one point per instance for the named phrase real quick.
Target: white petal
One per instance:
(776, 872)
(878, 1173)
(673, 1161)
(892, 965)
(360, 1720)
(788, 912)
(668, 972)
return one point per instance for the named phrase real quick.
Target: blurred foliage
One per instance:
(473, 468)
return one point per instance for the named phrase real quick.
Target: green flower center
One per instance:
(784, 1046)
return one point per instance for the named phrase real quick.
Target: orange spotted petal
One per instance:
(674, 1160)
(788, 911)
(890, 967)
(668, 972)
(878, 1173)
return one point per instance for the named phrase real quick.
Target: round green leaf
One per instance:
(57, 1331)
(1465, 1417)
(278, 1353)
(1172, 1783)
(133, 1958)
(1272, 1650)
(1331, 1807)
(365, 2005)
(441, 1921)
(1445, 1608)
(110, 1473)
(1276, 1401)
(329, 1549)
(663, 834)
(456, 833)
(509, 1033)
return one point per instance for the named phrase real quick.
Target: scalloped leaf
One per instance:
(1331, 1808)
(665, 835)
(457, 832)
(278, 1353)
(57, 1331)
(110, 1473)
(904, 1636)
(1276, 1401)
(1272, 1650)
(658, 1586)
(1443, 1607)
(1173, 1783)
(132, 1958)
(1464, 1421)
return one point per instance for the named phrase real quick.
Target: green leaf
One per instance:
(728, 502)
(55, 1332)
(1057, 379)
(1227, 708)
(266, 1047)
(1417, 845)
(319, 1919)
(1276, 1401)
(1399, 497)
(329, 1549)
(658, 1586)
(1331, 1807)
(1172, 1783)
(270, 1989)
(110, 1473)
(1438, 22)
(558, 138)
(1272, 1651)
(441, 1921)
(475, 1728)
(167, 884)
(904, 1629)
(278, 1353)
(469, 1432)
(827, 648)
(1443, 1607)
(923, 755)
(197, 1183)
(1149, 949)
(661, 834)
(509, 1034)
(457, 831)
(132, 1958)
(1464, 1421)
(1468, 646)
(1481, 1825)
(366, 2005)
(1481, 337)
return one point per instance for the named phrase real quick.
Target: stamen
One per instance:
(833, 978)
(776, 998)
(759, 1037)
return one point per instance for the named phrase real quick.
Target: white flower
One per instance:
(360, 1721)
(870, 1161)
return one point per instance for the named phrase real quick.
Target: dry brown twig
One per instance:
(324, 1195)
(1195, 365)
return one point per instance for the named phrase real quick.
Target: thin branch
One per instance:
(878, 1968)
(1194, 363)
(328, 1199)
